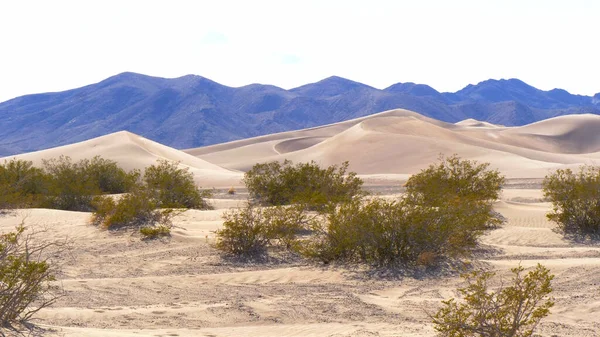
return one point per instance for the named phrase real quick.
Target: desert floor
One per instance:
(117, 285)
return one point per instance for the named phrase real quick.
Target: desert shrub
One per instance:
(251, 230)
(455, 178)
(149, 233)
(386, 233)
(173, 187)
(274, 184)
(108, 176)
(21, 184)
(135, 209)
(575, 199)
(26, 274)
(512, 310)
(70, 187)
(447, 207)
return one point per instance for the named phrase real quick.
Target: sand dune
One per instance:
(401, 142)
(131, 151)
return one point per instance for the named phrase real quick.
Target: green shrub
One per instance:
(21, 184)
(274, 184)
(173, 187)
(25, 275)
(385, 233)
(70, 187)
(149, 233)
(455, 179)
(575, 199)
(513, 310)
(108, 176)
(251, 230)
(135, 209)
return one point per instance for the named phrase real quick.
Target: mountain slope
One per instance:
(191, 111)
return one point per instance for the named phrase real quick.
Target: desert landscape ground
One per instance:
(117, 285)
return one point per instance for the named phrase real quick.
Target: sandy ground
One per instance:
(117, 285)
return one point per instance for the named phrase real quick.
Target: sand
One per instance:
(117, 285)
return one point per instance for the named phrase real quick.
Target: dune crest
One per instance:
(402, 142)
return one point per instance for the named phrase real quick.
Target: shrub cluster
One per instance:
(62, 183)
(575, 197)
(149, 206)
(446, 208)
(275, 184)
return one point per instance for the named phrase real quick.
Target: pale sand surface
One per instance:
(117, 285)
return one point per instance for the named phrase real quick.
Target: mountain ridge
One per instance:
(191, 110)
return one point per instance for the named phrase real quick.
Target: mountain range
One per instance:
(193, 111)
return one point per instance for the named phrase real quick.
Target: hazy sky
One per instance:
(58, 45)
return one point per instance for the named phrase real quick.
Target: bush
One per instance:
(135, 209)
(108, 176)
(251, 230)
(21, 184)
(275, 184)
(386, 233)
(25, 275)
(72, 186)
(173, 187)
(575, 199)
(455, 179)
(444, 211)
(149, 233)
(510, 311)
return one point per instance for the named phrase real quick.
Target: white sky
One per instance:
(58, 45)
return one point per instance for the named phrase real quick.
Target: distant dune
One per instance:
(401, 142)
(131, 151)
(384, 147)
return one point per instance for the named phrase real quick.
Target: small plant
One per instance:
(251, 230)
(575, 200)
(26, 273)
(510, 311)
(149, 233)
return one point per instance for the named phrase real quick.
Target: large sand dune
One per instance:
(131, 151)
(401, 142)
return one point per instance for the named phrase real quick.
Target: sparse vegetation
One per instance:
(250, 230)
(21, 184)
(428, 223)
(173, 187)
(275, 184)
(446, 208)
(149, 233)
(512, 310)
(26, 274)
(134, 209)
(575, 198)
